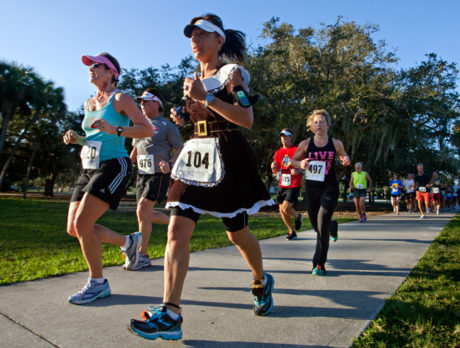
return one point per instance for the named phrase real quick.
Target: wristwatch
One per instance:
(209, 99)
(119, 130)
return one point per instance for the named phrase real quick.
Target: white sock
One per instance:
(173, 315)
(98, 280)
(127, 243)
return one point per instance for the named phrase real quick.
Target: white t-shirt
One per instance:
(408, 185)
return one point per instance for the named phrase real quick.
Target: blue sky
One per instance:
(51, 35)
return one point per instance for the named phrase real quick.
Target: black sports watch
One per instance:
(119, 130)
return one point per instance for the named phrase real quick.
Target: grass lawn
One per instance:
(34, 243)
(425, 311)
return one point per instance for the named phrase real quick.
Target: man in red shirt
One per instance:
(289, 184)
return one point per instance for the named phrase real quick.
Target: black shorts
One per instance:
(436, 197)
(359, 193)
(233, 224)
(290, 194)
(409, 195)
(152, 186)
(107, 183)
(396, 196)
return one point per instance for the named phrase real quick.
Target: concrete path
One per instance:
(365, 266)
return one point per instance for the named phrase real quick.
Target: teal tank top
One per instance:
(113, 146)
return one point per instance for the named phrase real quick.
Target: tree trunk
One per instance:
(49, 185)
(6, 119)
(16, 146)
(36, 147)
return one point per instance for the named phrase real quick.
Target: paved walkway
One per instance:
(365, 266)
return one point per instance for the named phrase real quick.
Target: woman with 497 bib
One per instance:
(215, 173)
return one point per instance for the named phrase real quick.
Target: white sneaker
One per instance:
(132, 253)
(422, 216)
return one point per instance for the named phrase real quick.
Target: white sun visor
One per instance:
(205, 25)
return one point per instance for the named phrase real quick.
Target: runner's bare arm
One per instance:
(232, 112)
(350, 184)
(124, 105)
(71, 137)
(299, 160)
(369, 179)
(340, 150)
(133, 155)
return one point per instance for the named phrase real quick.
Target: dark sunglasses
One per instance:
(96, 65)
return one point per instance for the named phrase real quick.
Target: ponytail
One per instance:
(234, 47)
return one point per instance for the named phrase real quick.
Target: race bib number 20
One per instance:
(90, 154)
(316, 171)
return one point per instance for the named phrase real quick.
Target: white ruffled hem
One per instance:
(250, 211)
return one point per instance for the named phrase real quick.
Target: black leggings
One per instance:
(321, 202)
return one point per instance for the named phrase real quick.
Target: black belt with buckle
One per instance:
(206, 128)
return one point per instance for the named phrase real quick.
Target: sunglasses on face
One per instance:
(96, 65)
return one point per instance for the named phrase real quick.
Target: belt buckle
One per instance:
(202, 128)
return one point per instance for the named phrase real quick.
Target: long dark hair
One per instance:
(234, 47)
(115, 63)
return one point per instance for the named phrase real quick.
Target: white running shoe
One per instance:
(132, 253)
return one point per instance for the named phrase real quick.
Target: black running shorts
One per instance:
(107, 183)
(153, 187)
(233, 224)
(290, 195)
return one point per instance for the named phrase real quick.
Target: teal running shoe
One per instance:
(334, 230)
(263, 300)
(91, 292)
(157, 324)
(319, 271)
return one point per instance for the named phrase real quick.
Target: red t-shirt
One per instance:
(283, 162)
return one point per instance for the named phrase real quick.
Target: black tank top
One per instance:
(325, 154)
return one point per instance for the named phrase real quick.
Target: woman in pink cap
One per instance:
(106, 168)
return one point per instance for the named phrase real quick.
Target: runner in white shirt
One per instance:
(409, 191)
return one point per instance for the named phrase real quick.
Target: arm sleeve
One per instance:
(174, 137)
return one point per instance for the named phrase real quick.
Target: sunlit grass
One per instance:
(34, 243)
(425, 311)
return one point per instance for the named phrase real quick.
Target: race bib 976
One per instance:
(145, 164)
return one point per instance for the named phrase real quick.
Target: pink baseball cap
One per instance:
(88, 60)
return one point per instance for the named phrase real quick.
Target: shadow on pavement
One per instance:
(203, 343)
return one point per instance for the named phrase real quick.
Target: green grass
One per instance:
(425, 311)
(34, 243)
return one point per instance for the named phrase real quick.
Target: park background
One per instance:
(385, 71)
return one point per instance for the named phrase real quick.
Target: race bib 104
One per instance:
(286, 180)
(90, 154)
(199, 163)
(316, 171)
(145, 164)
